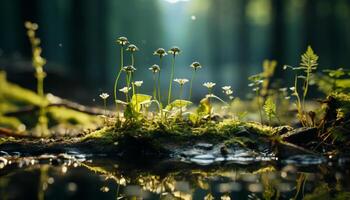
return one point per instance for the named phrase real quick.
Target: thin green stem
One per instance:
(181, 87)
(210, 108)
(306, 87)
(132, 59)
(299, 104)
(171, 79)
(118, 76)
(192, 79)
(42, 112)
(259, 105)
(159, 95)
(154, 86)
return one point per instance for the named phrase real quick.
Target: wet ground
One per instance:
(77, 176)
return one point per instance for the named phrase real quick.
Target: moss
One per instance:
(106, 135)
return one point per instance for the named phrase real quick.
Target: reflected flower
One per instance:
(104, 189)
(225, 197)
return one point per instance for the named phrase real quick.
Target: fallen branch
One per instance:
(59, 102)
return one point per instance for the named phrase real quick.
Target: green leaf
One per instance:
(193, 117)
(178, 103)
(138, 99)
(204, 107)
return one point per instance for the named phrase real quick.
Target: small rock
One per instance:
(301, 135)
(224, 151)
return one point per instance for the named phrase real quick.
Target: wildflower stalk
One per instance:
(159, 96)
(154, 86)
(181, 88)
(122, 41)
(171, 78)
(259, 105)
(192, 78)
(209, 102)
(38, 63)
(195, 66)
(118, 76)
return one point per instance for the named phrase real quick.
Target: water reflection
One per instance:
(92, 178)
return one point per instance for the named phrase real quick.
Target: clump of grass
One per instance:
(38, 63)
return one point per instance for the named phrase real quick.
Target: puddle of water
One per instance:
(76, 176)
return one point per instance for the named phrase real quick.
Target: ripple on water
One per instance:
(305, 160)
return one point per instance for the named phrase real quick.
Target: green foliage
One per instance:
(204, 107)
(178, 103)
(270, 108)
(308, 64)
(138, 100)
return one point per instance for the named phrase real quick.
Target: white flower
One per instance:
(104, 96)
(225, 88)
(138, 83)
(154, 68)
(196, 65)
(125, 89)
(209, 85)
(228, 92)
(129, 68)
(181, 81)
(160, 52)
(122, 41)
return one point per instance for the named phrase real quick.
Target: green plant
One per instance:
(155, 69)
(307, 66)
(130, 69)
(38, 63)
(181, 82)
(173, 51)
(256, 81)
(161, 53)
(270, 109)
(228, 92)
(121, 41)
(209, 86)
(104, 97)
(195, 66)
